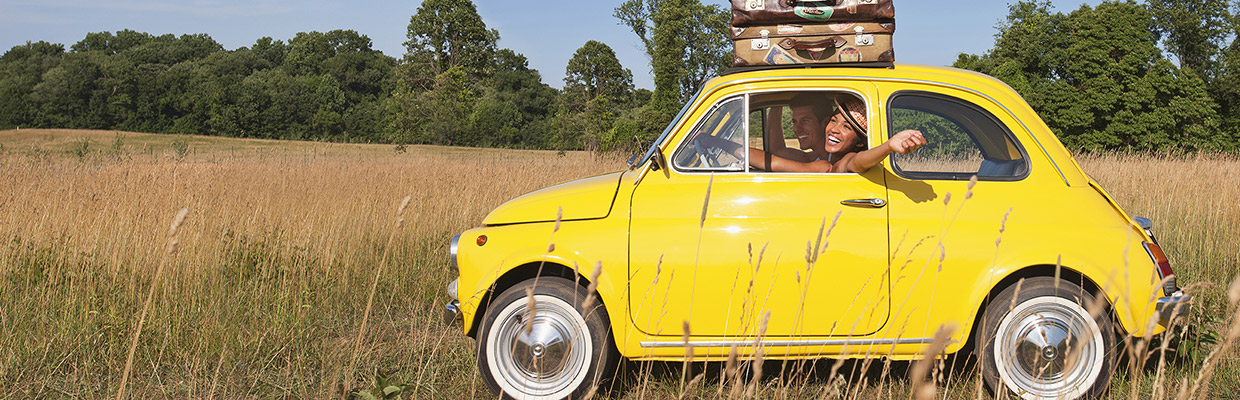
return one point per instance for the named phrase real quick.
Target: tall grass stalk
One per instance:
(150, 297)
(374, 285)
(274, 275)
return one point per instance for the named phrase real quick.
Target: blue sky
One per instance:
(546, 31)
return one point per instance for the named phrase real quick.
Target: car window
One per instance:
(791, 124)
(726, 122)
(962, 140)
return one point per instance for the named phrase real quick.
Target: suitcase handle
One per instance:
(831, 42)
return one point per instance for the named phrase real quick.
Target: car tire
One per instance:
(565, 352)
(1041, 343)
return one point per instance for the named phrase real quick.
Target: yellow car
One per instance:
(989, 238)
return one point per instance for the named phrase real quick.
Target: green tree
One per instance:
(596, 87)
(513, 82)
(1098, 79)
(595, 71)
(438, 115)
(21, 68)
(687, 43)
(1224, 89)
(444, 34)
(1193, 30)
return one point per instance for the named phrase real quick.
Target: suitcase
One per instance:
(813, 44)
(816, 29)
(771, 12)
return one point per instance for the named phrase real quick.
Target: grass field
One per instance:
(266, 292)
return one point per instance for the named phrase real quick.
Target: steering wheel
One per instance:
(702, 155)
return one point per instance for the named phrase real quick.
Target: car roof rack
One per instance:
(870, 64)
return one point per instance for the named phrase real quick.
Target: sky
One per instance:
(547, 32)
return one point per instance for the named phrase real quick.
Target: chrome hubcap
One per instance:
(543, 351)
(540, 355)
(1048, 347)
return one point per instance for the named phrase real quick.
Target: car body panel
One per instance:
(675, 247)
(584, 198)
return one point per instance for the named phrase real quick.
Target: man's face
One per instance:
(807, 127)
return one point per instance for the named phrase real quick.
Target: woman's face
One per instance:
(841, 138)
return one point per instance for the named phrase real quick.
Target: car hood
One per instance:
(585, 198)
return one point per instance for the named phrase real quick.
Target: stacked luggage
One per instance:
(781, 32)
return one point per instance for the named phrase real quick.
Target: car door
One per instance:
(947, 232)
(729, 251)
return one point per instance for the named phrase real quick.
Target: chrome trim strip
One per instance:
(453, 245)
(787, 343)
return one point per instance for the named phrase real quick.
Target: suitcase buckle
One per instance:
(761, 44)
(861, 38)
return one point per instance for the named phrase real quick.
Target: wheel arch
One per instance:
(1040, 270)
(521, 273)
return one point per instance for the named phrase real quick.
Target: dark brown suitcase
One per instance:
(813, 44)
(771, 12)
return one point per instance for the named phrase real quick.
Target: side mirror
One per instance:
(659, 161)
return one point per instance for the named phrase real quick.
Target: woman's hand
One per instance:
(906, 141)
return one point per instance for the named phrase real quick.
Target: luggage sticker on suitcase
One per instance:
(815, 29)
(767, 12)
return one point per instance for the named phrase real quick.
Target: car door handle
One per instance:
(876, 203)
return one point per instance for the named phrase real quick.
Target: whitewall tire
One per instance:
(1042, 343)
(561, 350)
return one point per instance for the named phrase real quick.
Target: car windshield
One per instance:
(635, 162)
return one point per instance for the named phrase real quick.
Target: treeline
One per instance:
(454, 86)
(1096, 75)
(324, 86)
(1099, 79)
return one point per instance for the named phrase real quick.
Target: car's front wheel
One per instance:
(1040, 342)
(548, 346)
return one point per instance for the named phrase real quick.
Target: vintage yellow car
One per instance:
(990, 235)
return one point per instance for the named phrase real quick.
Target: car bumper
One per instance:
(452, 311)
(1172, 307)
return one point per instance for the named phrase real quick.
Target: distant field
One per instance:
(265, 296)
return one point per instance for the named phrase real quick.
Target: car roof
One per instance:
(893, 72)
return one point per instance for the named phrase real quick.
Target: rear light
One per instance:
(1164, 267)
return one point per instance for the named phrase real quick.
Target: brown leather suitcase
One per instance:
(771, 12)
(814, 29)
(813, 43)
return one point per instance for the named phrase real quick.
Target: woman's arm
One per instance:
(904, 142)
(774, 163)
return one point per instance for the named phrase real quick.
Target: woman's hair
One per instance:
(853, 110)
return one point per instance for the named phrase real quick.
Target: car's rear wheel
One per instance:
(547, 347)
(1041, 343)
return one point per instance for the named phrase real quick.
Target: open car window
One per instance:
(962, 140)
(788, 124)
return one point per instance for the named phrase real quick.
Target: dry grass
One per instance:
(280, 251)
